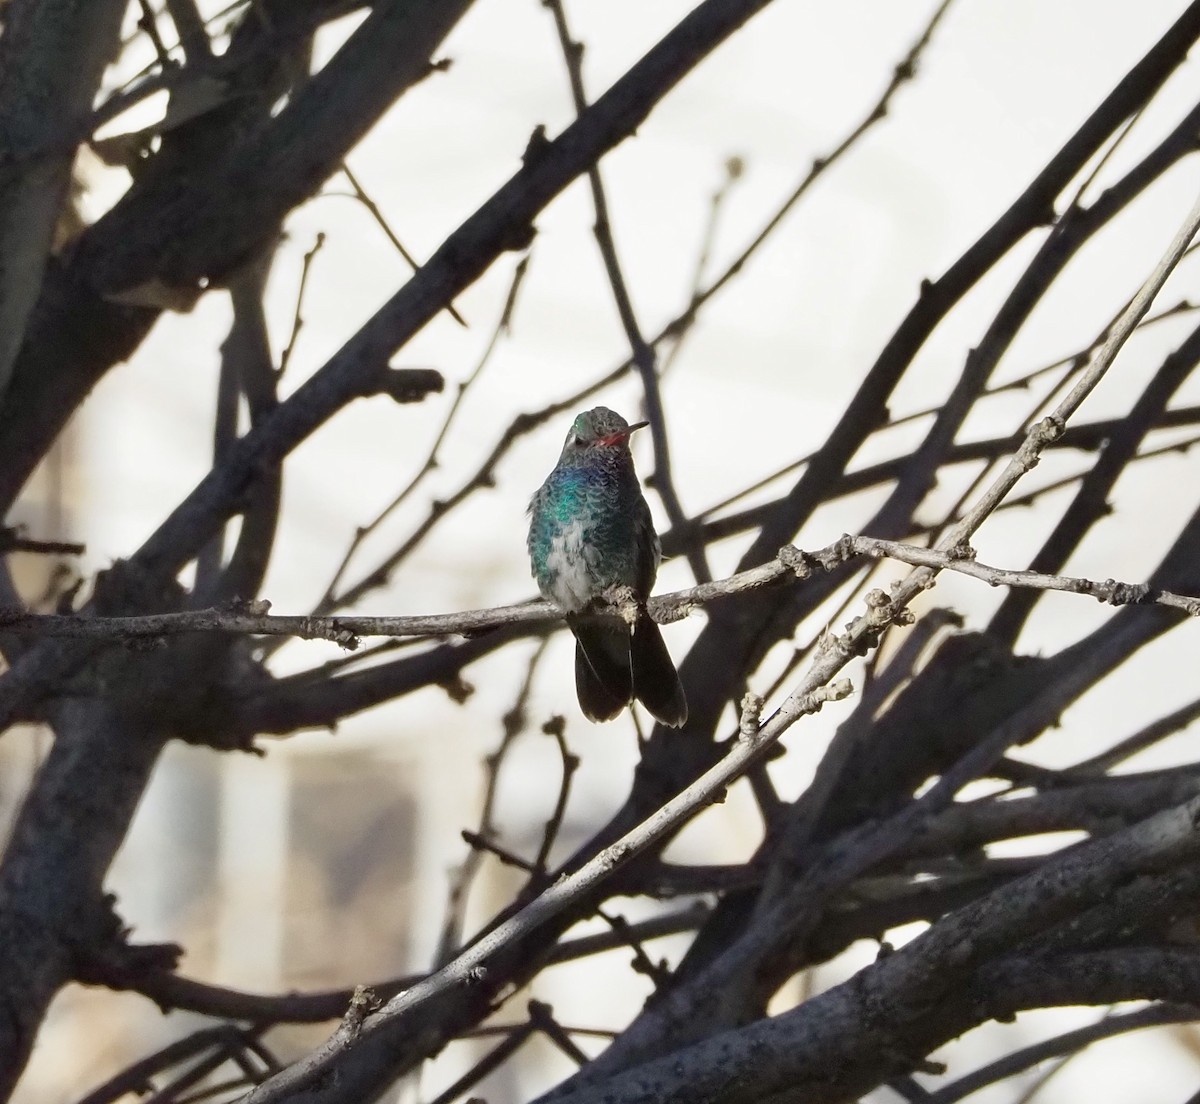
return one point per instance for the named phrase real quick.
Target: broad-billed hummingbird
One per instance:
(589, 531)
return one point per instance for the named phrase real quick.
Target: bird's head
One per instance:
(598, 428)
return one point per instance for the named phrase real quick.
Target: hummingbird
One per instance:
(590, 530)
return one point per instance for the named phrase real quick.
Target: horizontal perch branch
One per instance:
(253, 618)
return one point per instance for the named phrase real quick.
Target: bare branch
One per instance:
(822, 1047)
(298, 317)
(792, 562)
(189, 26)
(172, 991)
(472, 964)
(1067, 1044)
(642, 351)
(673, 331)
(962, 561)
(514, 723)
(570, 764)
(495, 1058)
(135, 1079)
(52, 55)
(331, 600)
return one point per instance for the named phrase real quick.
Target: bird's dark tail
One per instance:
(612, 667)
(655, 681)
(603, 677)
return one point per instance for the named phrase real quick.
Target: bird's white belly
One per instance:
(569, 566)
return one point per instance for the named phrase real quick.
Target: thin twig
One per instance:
(904, 72)
(1029, 498)
(735, 167)
(514, 722)
(1051, 427)
(1146, 737)
(503, 327)
(1080, 361)
(170, 991)
(507, 857)
(149, 23)
(642, 351)
(137, 1076)
(209, 1092)
(541, 1015)
(962, 561)
(298, 317)
(1068, 1043)
(1084, 437)
(855, 589)
(570, 764)
(642, 962)
(504, 1029)
(13, 540)
(361, 195)
(175, 1091)
(523, 424)
(1074, 365)
(493, 1060)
